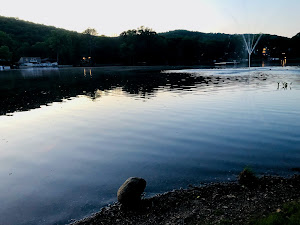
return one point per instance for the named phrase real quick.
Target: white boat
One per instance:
(34, 65)
(4, 68)
(227, 63)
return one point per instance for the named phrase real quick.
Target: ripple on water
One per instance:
(172, 128)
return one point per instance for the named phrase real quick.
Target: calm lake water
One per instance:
(70, 137)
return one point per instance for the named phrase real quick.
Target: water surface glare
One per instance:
(70, 137)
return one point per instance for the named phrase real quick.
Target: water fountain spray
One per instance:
(250, 44)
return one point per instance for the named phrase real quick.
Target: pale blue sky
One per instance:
(114, 16)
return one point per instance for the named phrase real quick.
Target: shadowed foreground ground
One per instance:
(219, 203)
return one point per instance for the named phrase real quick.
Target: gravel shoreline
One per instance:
(215, 203)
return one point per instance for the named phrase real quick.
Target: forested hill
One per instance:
(20, 30)
(194, 35)
(141, 46)
(22, 38)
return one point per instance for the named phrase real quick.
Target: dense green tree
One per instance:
(295, 43)
(5, 39)
(142, 46)
(90, 31)
(107, 50)
(40, 49)
(5, 54)
(59, 43)
(89, 35)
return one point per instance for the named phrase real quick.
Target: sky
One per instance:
(111, 17)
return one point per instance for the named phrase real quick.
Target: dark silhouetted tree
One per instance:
(5, 54)
(90, 34)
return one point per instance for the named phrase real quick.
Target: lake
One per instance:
(70, 137)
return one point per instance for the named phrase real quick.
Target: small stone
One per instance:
(231, 196)
(130, 191)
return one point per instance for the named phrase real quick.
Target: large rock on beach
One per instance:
(130, 191)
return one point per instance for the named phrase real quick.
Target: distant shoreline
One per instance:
(151, 68)
(213, 203)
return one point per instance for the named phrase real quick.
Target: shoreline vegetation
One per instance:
(136, 47)
(263, 200)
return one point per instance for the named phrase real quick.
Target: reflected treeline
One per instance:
(22, 90)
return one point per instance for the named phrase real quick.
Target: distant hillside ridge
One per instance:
(24, 30)
(141, 46)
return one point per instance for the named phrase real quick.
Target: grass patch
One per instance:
(219, 212)
(249, 170)
(289, 215)
(247, 177)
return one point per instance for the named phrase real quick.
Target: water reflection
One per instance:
(38, 72)
(68, 160)
(22, 90)
(89, 71)
(283, 62)
(28, 89)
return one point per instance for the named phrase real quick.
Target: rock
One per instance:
(130, 191)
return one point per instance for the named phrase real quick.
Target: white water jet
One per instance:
(251, 44)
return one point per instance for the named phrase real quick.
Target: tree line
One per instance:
(141, 46)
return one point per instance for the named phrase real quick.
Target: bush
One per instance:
(289, 215)
(247, 178)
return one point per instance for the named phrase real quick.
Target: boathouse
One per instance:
(33, 60)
